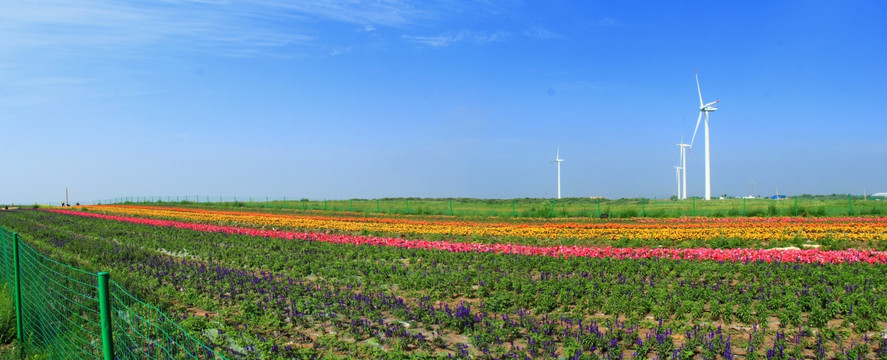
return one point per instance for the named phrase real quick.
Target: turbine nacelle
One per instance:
(709, 107)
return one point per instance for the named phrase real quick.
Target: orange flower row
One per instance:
(762, 229)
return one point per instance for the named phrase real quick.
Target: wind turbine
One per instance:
(683, 168)
(558, 160)
(704, 109)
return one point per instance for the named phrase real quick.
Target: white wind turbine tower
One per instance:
(683, 169)
(704, 109)
(677, 174)
(558, 160)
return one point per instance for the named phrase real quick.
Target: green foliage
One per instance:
(346, 297)
(627, 213)
(7, 316)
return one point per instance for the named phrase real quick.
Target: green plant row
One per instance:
(270, 298)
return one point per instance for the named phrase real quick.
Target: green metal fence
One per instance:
(75, 314)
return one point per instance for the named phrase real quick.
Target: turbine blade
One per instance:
(697, 129)
(699, 89)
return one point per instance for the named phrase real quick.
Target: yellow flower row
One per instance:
(844, 229)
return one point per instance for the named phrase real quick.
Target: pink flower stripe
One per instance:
(766, 255)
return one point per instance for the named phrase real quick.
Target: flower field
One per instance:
(653, 231)
(766, 255)
(307, 286)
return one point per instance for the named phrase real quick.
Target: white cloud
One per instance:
(86, 26)
(539, 32)
(283, 28)
(464, 35)
(433, 41)
(484, 38)
(379, 12)
(339, 51)
(607, 21)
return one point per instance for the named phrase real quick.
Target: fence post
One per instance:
(284, 202)
(598, 208)
(743, 207)
(796, 206)
(18, 288)
(643, 207)
(408, 205)
(850, 204)
(324, 204)
(451, 208)
(378, 208)
(694, 206)
(105, 314)
(552, 209)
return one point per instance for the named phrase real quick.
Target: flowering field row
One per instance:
(255, 295)
(767, 255)
(659, 230)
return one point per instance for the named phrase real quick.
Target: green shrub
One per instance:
(754, 213)
(7, 316)
(627, 213)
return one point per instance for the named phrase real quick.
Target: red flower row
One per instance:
(767, 255)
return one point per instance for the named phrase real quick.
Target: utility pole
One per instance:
(68, 203)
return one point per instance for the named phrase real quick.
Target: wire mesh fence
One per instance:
(69, 313)
(59, 306)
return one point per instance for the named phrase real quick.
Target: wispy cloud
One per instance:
(463, 36)
(607, 21)
(81, 27)
(378, 12)
(225, 27)
(539, 32)
(339, 51)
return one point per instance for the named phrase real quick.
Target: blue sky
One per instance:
(366, 99)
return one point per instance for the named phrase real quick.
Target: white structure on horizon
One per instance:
(682, 194)
(704, 109)
(677, 171)
(558, 160)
